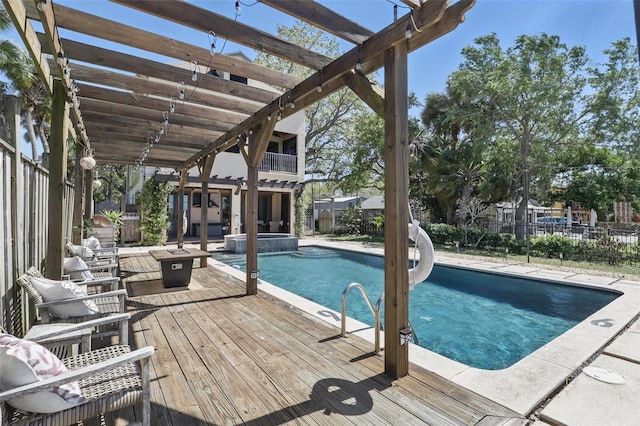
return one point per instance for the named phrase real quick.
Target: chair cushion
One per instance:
(77, 269)
(92, 242)
(52, 291)
(84, 252)
(23, 362)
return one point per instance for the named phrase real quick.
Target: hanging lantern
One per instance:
(87, 162)
(96, 184)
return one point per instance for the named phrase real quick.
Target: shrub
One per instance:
(551, 246)
(154, 204)
(350, 222)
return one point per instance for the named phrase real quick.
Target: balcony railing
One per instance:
(281, 163)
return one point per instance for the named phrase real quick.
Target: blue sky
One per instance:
(594, 24)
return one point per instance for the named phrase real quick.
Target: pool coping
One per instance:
(523, 386)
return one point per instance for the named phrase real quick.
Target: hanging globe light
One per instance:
(87, 162)
(96, 184)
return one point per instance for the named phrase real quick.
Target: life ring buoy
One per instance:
(423, 243)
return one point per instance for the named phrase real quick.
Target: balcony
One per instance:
(281, 163)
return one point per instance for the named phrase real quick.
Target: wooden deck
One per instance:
(225, 358)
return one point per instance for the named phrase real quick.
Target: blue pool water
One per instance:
(483, 320)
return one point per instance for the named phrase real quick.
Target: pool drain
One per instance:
(604, 375)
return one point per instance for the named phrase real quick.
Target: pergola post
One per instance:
(396, 214)
(78, 199)
(180, 212)
(88, 196)
(257, 148)
(205, 166)
(57, 182)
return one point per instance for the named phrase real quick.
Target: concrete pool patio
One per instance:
(534, 386)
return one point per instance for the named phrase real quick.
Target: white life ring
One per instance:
(421, 271)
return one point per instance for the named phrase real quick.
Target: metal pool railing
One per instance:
(374, 310)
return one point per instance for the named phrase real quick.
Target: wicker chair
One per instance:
(109, 378)
(109, 304)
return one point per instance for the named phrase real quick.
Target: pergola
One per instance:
(117, 111)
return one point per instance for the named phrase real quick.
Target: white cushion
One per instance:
(92, 242)
(77, 269)
(52, 291)
(23, 362)
(84, 252)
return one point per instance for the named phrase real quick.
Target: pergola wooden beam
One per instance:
(368, 55)
(92, 105)
(201, 19)
(145, 67)
(95, 26)
(322, 17)
(161, 88)
(159, 104)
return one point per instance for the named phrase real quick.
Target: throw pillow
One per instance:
(77, 269)
(84, 252)
(92, 242)
(23, 362)
(51, 291)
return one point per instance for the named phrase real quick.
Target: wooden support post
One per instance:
(180, 213)
(251, 226)
(76, 222)
(396, 214)
(205, 166)
(10, 111)
(257, 147)
(57, 182)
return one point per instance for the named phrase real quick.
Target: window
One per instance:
(290, 146)
(237, 78)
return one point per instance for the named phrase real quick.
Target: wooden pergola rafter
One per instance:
(124, 97)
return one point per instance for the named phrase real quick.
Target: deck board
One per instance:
(223, 358)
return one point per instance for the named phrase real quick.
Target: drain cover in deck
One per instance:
(604, 375)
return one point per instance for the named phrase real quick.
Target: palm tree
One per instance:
(20, 69)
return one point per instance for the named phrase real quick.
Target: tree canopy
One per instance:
(513, 120)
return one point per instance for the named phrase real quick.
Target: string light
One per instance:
(172, 105)
(194, 71)
(237, 9)
(181, 89)
(165, 115)
(213, 38)
(42, 5)
(60, 59)
(407, 33)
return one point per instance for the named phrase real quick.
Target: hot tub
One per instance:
(237, 243)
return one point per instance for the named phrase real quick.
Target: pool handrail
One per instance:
(375, 311)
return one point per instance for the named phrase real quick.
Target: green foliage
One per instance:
(551, 246)
(113, 177)
(378, 222)
(114, 216)
(154, 205)
(299, 208)
(350, 221)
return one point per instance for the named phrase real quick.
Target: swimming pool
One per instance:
(483, 320)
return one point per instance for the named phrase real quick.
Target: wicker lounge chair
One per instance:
(107, 304)
(108, 378)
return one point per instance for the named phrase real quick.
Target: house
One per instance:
(281, 174)
(373, 206)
